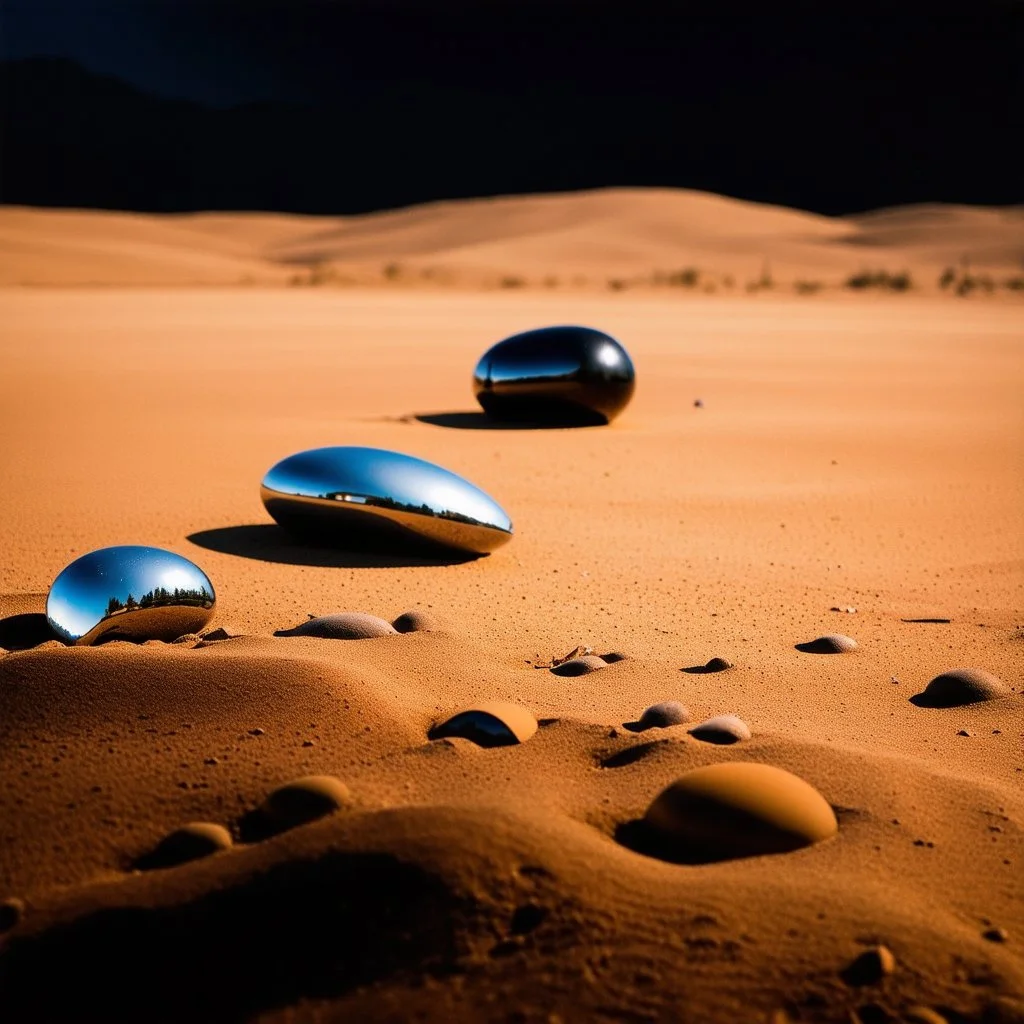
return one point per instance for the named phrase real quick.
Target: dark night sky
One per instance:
(340, 105)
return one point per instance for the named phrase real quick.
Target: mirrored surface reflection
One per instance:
(564, 374)
(354, 496)
(129, 592)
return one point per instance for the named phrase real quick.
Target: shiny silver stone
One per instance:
(129, 592)
(560, 375)
(354, 497)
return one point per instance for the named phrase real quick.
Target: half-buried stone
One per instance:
(343, 626)
(735, 809)
(663, 715)
(491, 724)
(960, 686)
(722, 729)
(304, 800)
(417, 621)
(830, 643)
(580, 666)
(190, 842)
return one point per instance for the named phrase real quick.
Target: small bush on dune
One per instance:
(1014, 284)
(688, 277)
(512, 282)
(807, 287)
(882, 279)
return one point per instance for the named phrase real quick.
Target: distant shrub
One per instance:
(882, 279)
(948, 277)
(512, 282)
(807, 287)
(616, 284)
(1014, 284)
(688, 277)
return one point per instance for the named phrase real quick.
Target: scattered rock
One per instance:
(664, 715)
(698, 403)
(848, 609)
(491, 724)
(722, 729)
(960, 686)
(870, 967)
(256, 732)
(306, 799)
(191, 842)
(717, 664)
(830, 643)
(736, 809)
(580, 666)
(613, 656)
(212, 635)
(343, 626)
(416, 621)
(965, 732)
(995, 934)
(12, 910)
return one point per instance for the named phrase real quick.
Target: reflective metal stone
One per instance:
(559, 375)
(353, 497)
(129, 592)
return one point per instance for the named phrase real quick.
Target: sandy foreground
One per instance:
(850, 453)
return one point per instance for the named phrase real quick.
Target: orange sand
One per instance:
(851, 452)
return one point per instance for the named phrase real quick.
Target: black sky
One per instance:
(340, 105)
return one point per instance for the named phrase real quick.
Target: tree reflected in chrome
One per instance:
(353, 496)
(129, 592)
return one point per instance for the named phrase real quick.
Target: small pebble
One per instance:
(995, 934)
(965, 732)
(343, 626)
(306, 799)
(613, 656)
(416, 621)
(12, 910)
(960, 686)
(722, 729)
(870, 967)
(717, 665)
(256, 732)
(698, 403)
(190, 842)
(830, 643)
(580, 666)
(491, 724)
(216, 634)
(664, 715)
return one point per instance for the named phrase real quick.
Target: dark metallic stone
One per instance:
(559, 375)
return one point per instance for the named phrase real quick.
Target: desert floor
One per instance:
(855, 467)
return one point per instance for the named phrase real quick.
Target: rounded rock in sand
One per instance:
(190, 842)
(342, 626)
(960, 686)
(736, 809)
(830, 643)
(664, 715)
(416, 621)
(580, 666)
(306, 799)
(491, 724)
(722, 729)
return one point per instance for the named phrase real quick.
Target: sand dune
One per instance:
(853, 470)
(584, 237)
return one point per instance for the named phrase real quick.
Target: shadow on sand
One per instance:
(269, 543)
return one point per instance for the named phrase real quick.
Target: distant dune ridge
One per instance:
(627, 235)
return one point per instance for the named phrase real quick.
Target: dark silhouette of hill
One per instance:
(74, 138)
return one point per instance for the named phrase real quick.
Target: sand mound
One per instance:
(737, 810)
(343, 626)
(960, 686)
(617, 233)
